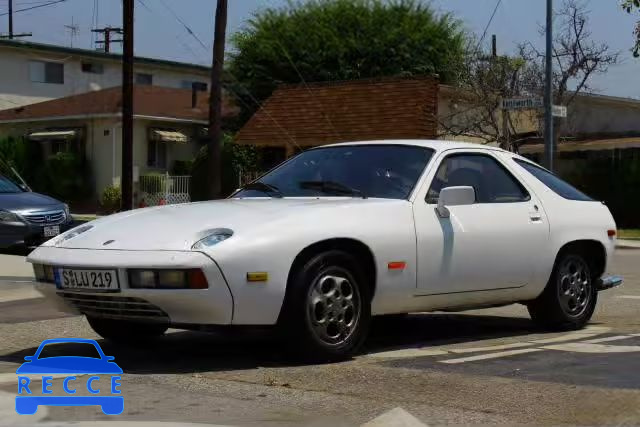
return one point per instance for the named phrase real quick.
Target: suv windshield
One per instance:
(381, 171)
(6, 186)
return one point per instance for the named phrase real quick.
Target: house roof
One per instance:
(320, 113)
(42, 47)
(149, 101)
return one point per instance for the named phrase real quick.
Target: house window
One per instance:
(188, 84)
(144, 79)
(46, 72)
(92, 67)
(59, 146)
(157, 154)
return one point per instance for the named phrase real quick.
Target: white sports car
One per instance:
(338, 234)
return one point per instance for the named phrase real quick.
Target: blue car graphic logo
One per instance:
(71, 367)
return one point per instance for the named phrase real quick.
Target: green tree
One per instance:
(630, 6)
(328, 40)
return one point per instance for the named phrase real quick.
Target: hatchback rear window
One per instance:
(557, 185)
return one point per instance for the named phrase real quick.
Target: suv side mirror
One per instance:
(454, 196)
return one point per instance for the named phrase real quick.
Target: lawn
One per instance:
(629, 233)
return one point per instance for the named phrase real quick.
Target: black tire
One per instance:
(125, 331)
(331, 325)
(566, 304)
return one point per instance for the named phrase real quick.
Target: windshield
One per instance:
(381, 171)
(7, 186)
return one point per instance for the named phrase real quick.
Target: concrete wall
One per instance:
(603, 115)
(16, 87)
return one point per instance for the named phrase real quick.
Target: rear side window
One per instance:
(557, 185)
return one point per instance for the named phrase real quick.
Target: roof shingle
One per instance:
(321, 113)
(148, 101)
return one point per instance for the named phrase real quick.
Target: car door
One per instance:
(491, 244)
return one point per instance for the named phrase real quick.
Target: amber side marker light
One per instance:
(611, 233)
(258, 276)
(397, 265)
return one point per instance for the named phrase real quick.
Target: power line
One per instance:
(51, 3)
(186, 27)
(486, 28)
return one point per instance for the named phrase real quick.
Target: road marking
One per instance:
(490, 356)
(629, 296)
(409, 352)
(577, 335)
(608, 339)
(580, 347)
(397, 417)
(489, 348)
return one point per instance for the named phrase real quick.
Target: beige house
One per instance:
(36, 72)
(168, 127)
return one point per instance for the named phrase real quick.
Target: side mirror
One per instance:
(454, 196)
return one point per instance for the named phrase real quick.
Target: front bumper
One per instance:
(213, 305)
(608, 282)
(20, 233)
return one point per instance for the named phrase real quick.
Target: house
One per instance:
(168, 128)
(297, 117)
(36, 72)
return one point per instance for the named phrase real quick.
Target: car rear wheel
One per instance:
(126, 331)
(327, 310)
(570, 298)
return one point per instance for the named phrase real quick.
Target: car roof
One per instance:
(437, 145)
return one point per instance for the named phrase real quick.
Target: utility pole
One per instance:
(106, 37)
(127, 107)
(11, 34)
(10, 19)
(73, 31)
(215, 102)
(548, 96)
(506, 137)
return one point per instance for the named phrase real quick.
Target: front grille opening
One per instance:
(46, 218)
(115, 307)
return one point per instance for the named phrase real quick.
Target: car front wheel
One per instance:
(126, 331)
(569, 300)
(328, 307)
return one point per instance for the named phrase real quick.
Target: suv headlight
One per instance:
(213, 237)
(6, 216)
(72, 233)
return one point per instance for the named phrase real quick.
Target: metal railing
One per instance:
(164, 189)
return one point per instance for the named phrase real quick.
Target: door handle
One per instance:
(535, 217)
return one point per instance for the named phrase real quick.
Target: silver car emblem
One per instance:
(47, 218)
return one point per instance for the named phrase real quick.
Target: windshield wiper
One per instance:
(264, 187)
(331, 187)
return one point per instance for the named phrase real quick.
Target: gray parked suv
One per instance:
(27, 218)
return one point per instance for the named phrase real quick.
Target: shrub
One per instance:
(235, 157)
(111, 199)
(182, 167)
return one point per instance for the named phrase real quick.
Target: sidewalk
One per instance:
(627, 244)
(16, 276)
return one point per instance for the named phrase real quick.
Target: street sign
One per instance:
(559, 111)
(521, 103)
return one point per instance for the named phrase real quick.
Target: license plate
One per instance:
(52, 231)
(91, 280)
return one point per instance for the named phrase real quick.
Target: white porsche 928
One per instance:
(336, 235)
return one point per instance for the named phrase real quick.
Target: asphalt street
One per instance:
(478, 367)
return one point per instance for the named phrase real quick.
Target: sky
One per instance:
(161, 33)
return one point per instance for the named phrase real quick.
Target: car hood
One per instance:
(178, 227)
(26, 200)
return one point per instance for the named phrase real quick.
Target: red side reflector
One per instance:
(197, 280)
(397, 265)
(611, 233)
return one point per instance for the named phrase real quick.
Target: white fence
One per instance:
(164, 189)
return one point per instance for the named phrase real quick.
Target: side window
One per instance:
(557, 185)
(491, 181)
